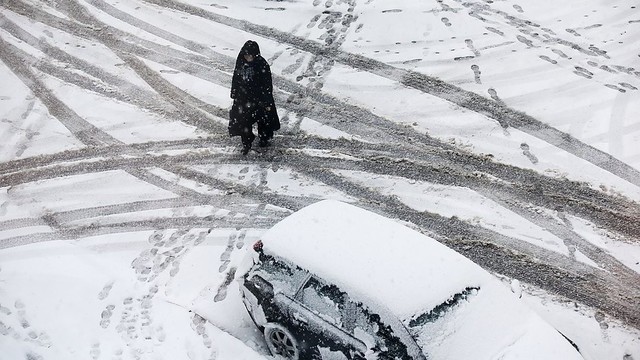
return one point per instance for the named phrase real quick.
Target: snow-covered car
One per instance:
(334, 278)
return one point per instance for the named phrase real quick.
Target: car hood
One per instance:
(489, 324)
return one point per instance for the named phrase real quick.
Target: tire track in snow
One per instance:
(88, 134)
(448, 229)
(111, 38)
(606, 159)
(571, 239)
(185, 194)
(559, 274)
(333, 112)
(604, 210)
(283, 201)
(433, 86)
(22, 223)
(112, 86)
(132, 226)
(110, 153)
(222, 62)
(192, 109)
(507, 259)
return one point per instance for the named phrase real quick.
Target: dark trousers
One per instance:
(264, 132)
(247, 137)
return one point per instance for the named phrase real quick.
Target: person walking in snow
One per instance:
(252, 94)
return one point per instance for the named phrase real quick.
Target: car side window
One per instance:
(358, 324)
(322, 299)
(335, 306)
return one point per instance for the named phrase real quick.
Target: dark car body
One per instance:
(319, 315)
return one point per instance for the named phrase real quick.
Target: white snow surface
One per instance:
(84, 276)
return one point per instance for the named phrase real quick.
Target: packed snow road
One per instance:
(139, 91)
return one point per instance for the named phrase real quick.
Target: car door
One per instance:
(319, 309)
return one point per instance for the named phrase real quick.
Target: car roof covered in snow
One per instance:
(369, 255)
(377, 259)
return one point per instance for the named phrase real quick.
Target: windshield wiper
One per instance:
(441, 309)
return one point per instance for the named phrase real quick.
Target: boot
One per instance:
(246, 148)
(264, 143)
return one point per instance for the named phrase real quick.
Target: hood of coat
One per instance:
(250, 48)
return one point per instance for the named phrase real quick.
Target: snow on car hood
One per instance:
(490, 324)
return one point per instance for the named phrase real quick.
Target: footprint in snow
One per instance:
(476, 73)
(495, 31)
(546, 58)
(614, 87)
(222, 290)
(583, 72)
(528, 154)
(5, 310)
(524, 40)
(105, 317)
(95, 351)
(572, 32)
(560, 53)
(219, 6)
(608, 69)
(105, 291)
(604, 326)
(33, 356)
(313, 21)
(494, 94)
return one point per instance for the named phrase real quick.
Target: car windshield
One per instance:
(370, 324)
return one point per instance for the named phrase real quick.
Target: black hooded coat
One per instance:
(252, 94)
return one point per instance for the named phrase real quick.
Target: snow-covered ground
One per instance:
(125, 210)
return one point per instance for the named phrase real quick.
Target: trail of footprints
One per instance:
(23, 331)
(132, 317)
(236, 240)
(548, 36)
(335, 23)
